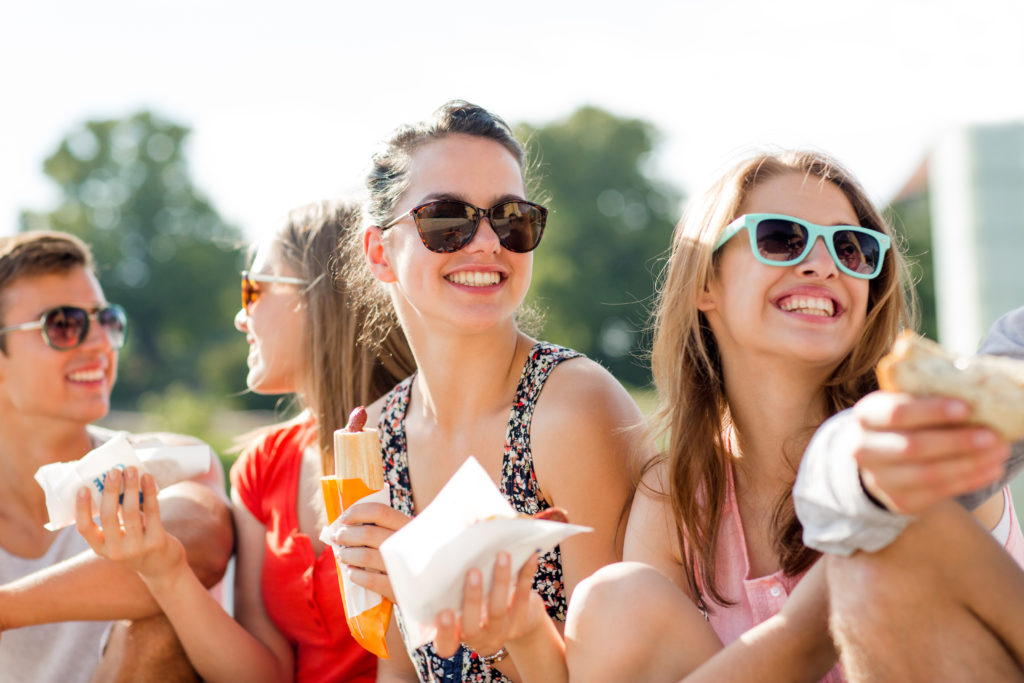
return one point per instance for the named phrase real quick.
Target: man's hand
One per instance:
(913, 452)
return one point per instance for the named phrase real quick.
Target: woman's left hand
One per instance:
(487, 623)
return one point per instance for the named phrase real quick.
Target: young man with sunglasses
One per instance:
(59, 341)
(875, 491)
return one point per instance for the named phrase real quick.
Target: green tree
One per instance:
(609, 223)
(163, 252)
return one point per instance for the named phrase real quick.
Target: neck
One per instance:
(28, 443)
(464, 375)
(774, 411)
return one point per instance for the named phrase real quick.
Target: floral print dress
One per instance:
(518, 485)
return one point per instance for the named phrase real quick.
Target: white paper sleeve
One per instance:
(465, 526)
(61, 481)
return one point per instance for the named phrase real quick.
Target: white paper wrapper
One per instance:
(465, 526)
(168, 465)
(357, 598)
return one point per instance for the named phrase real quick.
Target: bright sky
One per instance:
(287, 100)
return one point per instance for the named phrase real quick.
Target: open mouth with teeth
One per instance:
(809, 305)
(475, 278)
(87, 376)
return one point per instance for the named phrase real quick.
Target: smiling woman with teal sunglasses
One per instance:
(757, 340)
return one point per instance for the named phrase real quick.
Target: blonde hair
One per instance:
(693, 412)
(341, 372)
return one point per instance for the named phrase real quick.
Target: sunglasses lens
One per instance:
(113, 320)
(519, 225)
(781, 240)
(446, 226)
(66, 327)
(250, 292)
(858, 252)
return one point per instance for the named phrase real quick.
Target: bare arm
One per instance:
(398, 668)
(220, 648)
(88, 587)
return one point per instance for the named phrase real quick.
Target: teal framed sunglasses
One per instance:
(779, 240)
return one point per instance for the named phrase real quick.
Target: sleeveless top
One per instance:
(518, 486)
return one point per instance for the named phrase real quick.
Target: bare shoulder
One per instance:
(587, 426)
(582, 398)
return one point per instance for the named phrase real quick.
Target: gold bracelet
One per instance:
(495, 658)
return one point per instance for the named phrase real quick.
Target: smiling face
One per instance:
(38, 381)
(477, 287)
(809, 311)
(274, 326)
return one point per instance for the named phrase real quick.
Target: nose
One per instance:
(485, 240)
(97, 336)
(819, 262)
(242, 320)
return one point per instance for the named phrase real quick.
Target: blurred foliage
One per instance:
(178, 409)
(609, 222)
(162, 250)
(911, 218)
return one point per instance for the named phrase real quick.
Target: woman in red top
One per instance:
(302, 338)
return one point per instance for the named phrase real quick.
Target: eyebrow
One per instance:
(455, 196)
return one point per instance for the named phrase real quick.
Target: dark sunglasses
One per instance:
(447, 225)
(67, 327)
(251, 290)
(778, 240)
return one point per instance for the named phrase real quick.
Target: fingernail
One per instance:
(474, 578)
(956, 409)
(83, 493)
(502, 559)
(446, 618)
(984, 438)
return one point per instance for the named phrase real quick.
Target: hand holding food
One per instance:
(131, 533)
(359, 475)
(992, 385)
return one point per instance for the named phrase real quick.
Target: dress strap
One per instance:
(519, 480)
(391, 432)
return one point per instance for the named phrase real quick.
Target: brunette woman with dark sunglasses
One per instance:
(450, 246)
(753, 349)
(302, 335)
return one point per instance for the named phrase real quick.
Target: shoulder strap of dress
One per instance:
(543, 358)
(395, 405)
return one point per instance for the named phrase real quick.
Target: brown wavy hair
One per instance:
(693, 414)
(341, 371)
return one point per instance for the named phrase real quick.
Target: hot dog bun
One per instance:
(992, 385)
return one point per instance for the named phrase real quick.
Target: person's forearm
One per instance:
(83, 588)
(201, 519)
(538, 656)
(771, 651)
(90, 588)
(218, 647)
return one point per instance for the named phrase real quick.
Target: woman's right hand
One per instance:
(367, 525)
(130, 533)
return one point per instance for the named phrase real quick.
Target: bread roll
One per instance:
(992, 385)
